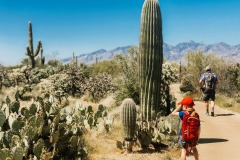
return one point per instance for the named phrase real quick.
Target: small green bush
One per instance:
(229, 103)
(237, 99)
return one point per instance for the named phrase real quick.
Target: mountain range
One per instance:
(170, 52)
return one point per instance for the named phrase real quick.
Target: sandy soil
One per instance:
(219, 134)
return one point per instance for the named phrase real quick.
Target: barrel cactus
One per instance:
(151, 58)
(129, 115)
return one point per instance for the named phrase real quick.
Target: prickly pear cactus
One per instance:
(42, 135)
(101, 108)
(14, 106)
(33, 109)
(25, 113)
(73, 141)
(1, 102)
(151, 58)
(15, 140)
(2, 118)
(16, 126)
(129, 118)
(90, 110)
(17, 153)
(2, 154)
(37, 149)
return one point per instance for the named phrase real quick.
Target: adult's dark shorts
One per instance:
(209, 94)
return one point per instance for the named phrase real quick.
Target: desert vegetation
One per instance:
(51, 110)
(228, 75)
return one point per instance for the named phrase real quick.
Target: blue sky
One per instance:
(83, 26)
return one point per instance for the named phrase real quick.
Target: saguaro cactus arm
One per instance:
(39, 46)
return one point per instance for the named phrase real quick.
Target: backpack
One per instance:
(209, 80)
(190, 128)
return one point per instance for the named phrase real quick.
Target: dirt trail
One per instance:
(219, 134)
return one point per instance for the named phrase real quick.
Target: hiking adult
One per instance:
(188, 135)
(207, 82)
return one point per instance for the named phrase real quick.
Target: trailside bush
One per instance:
(127, 82)
(228, 73)
(107, 66)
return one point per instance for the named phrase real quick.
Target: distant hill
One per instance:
(99, 55)
(171, 53)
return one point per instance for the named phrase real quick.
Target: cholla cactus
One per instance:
(99, 86)
(151, 58)
(129, 115)
(169, 76)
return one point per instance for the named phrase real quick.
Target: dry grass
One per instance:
(100, 145)
(227, 103)
(104, 146)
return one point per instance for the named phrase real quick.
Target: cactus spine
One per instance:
(30, 52)
(129, 121)
(151, 58)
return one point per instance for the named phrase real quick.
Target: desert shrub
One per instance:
(99, 86)
(227, 72)
(237, 99)
(53, 63)
(127, 83)
(169, 76)
(188, 93)
(87, 70)
(107, 66)
(186, 85)
(26, 62)
(75, 82)
(228, 103)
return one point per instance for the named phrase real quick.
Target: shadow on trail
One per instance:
(211, 140)
(153, 148)
(228, 114)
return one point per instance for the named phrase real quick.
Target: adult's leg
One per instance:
(212, 104)
(212, 107)
(195, 153)
(206, 100)
(207, 107)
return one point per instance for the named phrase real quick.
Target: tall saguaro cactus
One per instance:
(151, 58)
(30, 52)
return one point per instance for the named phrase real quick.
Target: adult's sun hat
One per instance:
(188, 101)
